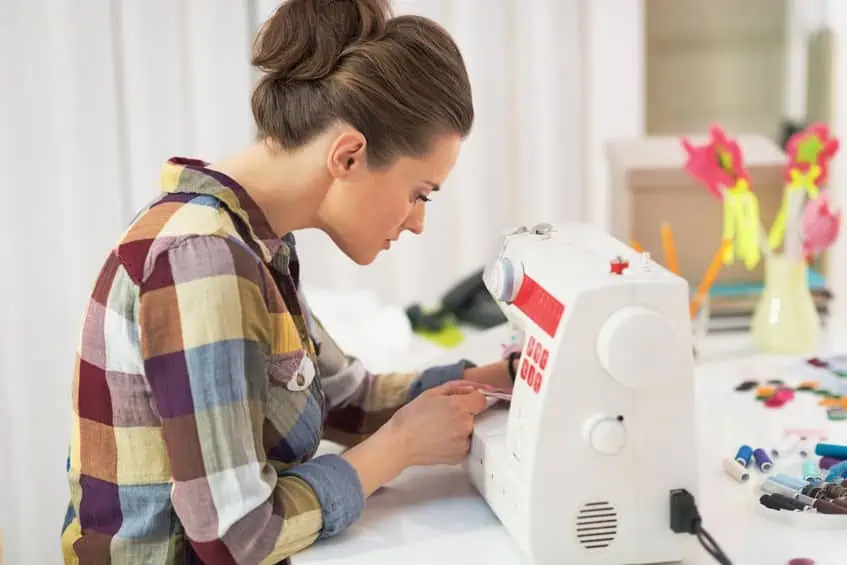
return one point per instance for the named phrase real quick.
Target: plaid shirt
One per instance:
(202, 388)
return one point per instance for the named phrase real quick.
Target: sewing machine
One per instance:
(600, 427)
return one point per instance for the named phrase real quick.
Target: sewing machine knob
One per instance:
(639, 348)
(606, 435)
(503, 279)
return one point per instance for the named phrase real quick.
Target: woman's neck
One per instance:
(288, 187)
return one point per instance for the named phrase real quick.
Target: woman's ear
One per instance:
(347, 154)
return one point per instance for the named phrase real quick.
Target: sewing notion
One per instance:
(719, 166)
(805, 224)
(605, 378)
(825, 377)
(814, 497)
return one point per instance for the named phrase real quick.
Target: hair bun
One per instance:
(304, 39)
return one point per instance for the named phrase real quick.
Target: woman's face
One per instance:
(365, 210)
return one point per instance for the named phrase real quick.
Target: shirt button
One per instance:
(304, 377)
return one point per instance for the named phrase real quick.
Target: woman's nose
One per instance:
(415, 221)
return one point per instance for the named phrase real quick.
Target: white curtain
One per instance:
(96, 94)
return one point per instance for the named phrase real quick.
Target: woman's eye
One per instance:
(423, 197)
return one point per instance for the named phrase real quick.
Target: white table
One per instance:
(436, 511)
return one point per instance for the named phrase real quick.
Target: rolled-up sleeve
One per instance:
(204, 332)
(360, 401)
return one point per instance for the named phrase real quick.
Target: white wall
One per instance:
(95, 95)
(834, 13)
(806, 17)
(615, 90)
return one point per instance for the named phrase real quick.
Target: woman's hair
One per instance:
(401, 81)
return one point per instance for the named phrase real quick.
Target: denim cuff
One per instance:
(435, 376)
(338, 488)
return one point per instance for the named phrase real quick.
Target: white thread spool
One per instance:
(735, 470)
(786, 447)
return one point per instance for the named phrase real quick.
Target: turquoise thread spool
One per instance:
(810, 470)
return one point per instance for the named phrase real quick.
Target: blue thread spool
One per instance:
(831, 450)
(763, 462)
(744, 455)
(791, 482)
(810, 470)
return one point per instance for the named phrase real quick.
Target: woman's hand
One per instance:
(436, 426)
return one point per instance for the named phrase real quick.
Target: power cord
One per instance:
(685, 519)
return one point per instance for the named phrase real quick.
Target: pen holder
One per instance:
(785, 319)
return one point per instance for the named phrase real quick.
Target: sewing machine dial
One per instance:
(503, 278)
(606, 434)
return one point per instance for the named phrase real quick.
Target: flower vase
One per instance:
(786, 320)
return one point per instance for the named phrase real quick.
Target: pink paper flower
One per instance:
(821, 224)
(717, 164)
(812, 146)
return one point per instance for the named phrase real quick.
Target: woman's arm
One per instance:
(378, 460)
(203, 328)
(360, 402)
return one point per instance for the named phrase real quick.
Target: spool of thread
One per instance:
(791, 482)
(769, 501)
(786, 447)
(763, 462)
(772, 487)
(735, 470)
(826, 462)
(831, 450)
(813, 491)
(779, 502)
(835, 491)
(842, 502)
(744, 455)
(790, 503)
(837, 472)
(810, 470)
(827, 507)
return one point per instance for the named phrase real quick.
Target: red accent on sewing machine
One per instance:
(539, 305)
(533, 364)
(618, 265)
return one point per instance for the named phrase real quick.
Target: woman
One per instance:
(203, 383)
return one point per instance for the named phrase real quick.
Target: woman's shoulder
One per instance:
(197, 222)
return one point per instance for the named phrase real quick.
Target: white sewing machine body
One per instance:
(601, 425)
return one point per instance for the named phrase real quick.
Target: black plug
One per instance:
(685, 518)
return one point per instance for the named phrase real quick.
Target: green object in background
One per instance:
(436, 326)
(450, 335)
